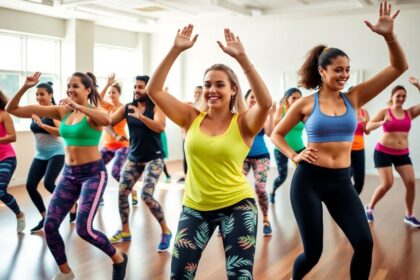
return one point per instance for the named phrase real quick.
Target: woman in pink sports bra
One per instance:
(392, 149)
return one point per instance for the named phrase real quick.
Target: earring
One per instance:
(322, 78)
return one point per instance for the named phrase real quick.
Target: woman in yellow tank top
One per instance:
(219, 136)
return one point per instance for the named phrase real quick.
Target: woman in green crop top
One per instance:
(293, 138)
(219, 136)
(84, 173)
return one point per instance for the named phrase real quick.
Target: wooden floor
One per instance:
(396, 251)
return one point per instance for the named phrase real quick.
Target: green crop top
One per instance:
(79, 134)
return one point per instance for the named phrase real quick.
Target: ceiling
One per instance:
(147, 15)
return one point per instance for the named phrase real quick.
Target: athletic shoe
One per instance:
(101, 202)
(119, 269)
(181, 180)
(412, 221)
(369, 214)
(272, 198)
(165, 242)
(39, 226)
(267, 229)
(134, 200)
(120, 236)
(167, 180)
(21, 223)
(64, 276)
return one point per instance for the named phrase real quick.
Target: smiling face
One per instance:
(114, 94)
(218, 90)
(336, 74)
(77, 91)
(398, 98)
(42, 97)
(139, 89)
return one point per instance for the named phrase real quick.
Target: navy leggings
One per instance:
(358, 169)
(87, 181)
(49, 169)
(312, 185)
(7, 167)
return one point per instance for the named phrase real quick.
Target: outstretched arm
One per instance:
(254, 118)
(415, 110)
(109, 82)
(180, 113)
(367, 90)
(52, 112)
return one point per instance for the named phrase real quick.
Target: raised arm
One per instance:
(367, 90)
(415, 110)
(109, 82)
(254, 118)
(52, 112)
(180, 113)
(366, 119)
(269, 123)
(10, 136)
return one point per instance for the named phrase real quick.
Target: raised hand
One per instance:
(233, 46)
(414, 81)
(31, 81)
(385, 24)
(111, 79)
(183, 39)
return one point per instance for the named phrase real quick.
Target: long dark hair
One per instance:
(320, 55)
(48, 87)
(89, 81)
(287, 94)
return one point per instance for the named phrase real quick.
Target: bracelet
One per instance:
(248, 69)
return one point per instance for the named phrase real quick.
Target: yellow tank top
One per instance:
(214, 179)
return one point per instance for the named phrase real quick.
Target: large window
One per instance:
(124, 62)
(23, 56)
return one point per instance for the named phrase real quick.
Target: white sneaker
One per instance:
(64, 276)
(21, 224)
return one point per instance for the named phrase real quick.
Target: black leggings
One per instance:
(312, 185)
(357, 170)
(49, 169)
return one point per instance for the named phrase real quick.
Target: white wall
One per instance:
(275, 46)
(278, 45)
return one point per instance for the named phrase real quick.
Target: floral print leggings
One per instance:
(238, 227)
(261, 166)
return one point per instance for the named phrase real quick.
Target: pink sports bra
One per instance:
(397, 125)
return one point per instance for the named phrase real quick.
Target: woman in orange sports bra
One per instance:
(357, 168)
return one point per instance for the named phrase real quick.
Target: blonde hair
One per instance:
(237, 103)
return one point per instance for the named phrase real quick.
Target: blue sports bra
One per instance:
(322, 128)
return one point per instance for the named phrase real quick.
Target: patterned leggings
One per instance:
(7, 167)
(87, 181)
(131, 173)
(261, 166)
(238, 226)
(120, 157)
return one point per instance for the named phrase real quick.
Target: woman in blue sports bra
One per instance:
(84, 173)
(323, 171)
